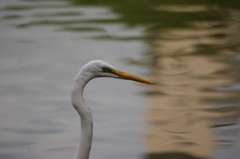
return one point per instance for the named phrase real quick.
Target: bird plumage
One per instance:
(93, 69)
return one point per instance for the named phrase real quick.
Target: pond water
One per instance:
(189, 49)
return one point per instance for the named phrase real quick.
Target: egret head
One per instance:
(98, 68)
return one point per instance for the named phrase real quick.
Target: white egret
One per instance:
(93, 69)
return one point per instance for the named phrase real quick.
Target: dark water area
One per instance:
(190, 49)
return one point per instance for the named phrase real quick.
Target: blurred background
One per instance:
(189, 48)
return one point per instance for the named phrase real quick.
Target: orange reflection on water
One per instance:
(185, 104)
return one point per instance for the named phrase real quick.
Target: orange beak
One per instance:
(127, 76)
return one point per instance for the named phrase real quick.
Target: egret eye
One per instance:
(106, 69)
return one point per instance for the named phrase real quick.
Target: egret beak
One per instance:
(127, 76)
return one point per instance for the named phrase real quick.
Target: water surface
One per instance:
(190, 49)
